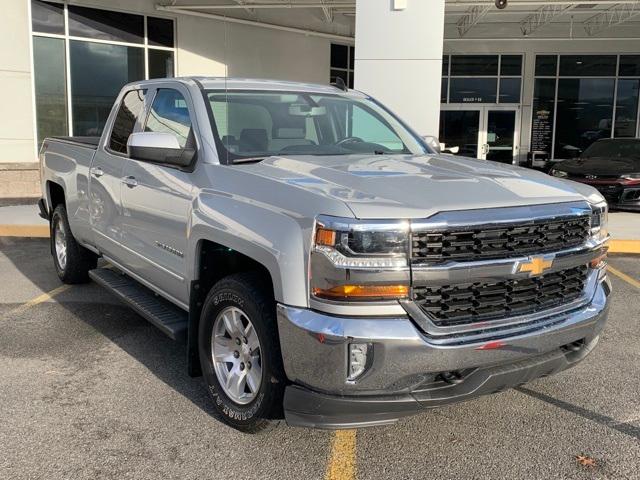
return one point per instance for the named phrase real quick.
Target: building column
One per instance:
(398, 57)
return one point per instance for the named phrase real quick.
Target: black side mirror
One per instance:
(159, 148)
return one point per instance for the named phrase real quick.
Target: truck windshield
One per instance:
(250, 124)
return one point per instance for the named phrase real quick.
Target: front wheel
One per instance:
(240, 353)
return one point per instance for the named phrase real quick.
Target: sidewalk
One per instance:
(23, 221)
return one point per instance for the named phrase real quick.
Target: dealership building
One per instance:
(539, 78)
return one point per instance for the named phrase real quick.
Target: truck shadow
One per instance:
(98, 309)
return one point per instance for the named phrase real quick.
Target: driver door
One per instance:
(156, 200)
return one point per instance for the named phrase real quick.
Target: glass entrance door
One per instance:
(461, 128)
(500, 131)
(488, 133)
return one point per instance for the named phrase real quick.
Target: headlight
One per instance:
(630, 176)
(558, 173)
(599, 221)
(354, 260)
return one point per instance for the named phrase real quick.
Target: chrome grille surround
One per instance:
(452, 273)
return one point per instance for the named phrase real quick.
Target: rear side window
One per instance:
(169, 114)
(129, 111)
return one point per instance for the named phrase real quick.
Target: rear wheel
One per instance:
(240, 353)
(72, 260)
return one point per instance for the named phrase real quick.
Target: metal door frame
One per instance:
(483, 118)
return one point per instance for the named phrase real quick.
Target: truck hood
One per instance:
(407, 186)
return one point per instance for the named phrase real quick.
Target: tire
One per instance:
(72, 261)
(256, 407)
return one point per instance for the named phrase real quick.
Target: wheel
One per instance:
(240, 353)
(72, 261)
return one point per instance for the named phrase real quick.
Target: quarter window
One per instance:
(170, 114)
(125, 121)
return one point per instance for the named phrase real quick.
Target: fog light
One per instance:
(357, 359)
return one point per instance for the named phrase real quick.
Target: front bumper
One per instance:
(404, 376)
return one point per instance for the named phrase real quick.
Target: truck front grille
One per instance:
(469, 303)
(478, 243)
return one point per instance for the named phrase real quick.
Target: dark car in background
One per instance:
(610, 165)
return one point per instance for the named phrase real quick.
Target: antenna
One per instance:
(339, 83)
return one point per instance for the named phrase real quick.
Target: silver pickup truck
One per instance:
(321, 261)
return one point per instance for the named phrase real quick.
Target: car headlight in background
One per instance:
(356, 260)
(630, 176)
(558, 173)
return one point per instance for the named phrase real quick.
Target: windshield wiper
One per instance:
(247, 160)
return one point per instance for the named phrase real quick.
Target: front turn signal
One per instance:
(363, 292)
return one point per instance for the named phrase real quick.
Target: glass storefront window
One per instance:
(160, 32)
(511, 65)
(630, 65)
(47, 17)
(105, 25)
(473, 90)
(474, 78)
(546, 65)
(50, 87)
(585, 110)
(627, 108)
(585, 106)
(342, 63)
(510, 90)
(160, 64)
(588, 65)
(98, 72)
(474, 65)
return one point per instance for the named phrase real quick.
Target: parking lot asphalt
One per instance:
(88, 389)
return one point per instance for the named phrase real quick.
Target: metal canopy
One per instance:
(464, 19)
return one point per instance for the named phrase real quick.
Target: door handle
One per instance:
(97, 172)
(130, 181)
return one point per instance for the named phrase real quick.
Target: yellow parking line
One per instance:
(342, 462)
(40, 298)
(40, 231)
(623, 276)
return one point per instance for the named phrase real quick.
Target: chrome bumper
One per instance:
(315, 346)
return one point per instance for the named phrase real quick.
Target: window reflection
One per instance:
(627, 108)
(160, 64)
(47, 17)
(50, 87)
(98, 72)
(585, 109)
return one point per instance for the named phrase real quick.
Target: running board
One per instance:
(170, 319)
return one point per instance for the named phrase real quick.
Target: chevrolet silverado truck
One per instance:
(322, 262)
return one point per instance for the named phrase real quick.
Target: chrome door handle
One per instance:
(130, 181)
(97, 172)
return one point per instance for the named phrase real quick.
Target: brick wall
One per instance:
(19, 180)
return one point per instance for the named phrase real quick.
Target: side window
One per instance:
(169, 114)
(125, 121)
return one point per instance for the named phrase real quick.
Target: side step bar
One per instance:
(170, 319)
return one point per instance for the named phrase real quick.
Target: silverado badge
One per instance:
(535, 266)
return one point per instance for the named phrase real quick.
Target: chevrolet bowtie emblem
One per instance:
(535, 266)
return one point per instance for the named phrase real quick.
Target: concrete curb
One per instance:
(42, 231)
(39, 231)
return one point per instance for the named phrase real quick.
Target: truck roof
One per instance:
(238, 83)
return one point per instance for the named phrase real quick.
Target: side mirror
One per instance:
(432, 142)
(453, 150)
(159, 147)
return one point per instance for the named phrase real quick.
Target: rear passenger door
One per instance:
(105, 179)
(157, 200)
